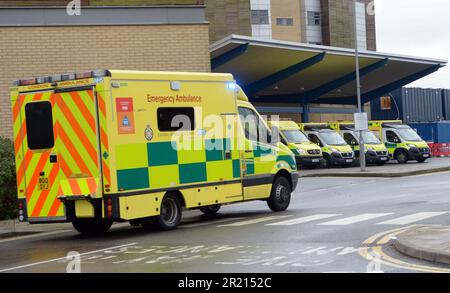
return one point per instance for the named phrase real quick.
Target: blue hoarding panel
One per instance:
(437, 132)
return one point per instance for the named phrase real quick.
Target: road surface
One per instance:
(332, 225)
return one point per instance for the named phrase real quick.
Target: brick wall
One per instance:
(38, 51)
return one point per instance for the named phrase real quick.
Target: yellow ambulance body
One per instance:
(336, 152)
(114, 146)
(376, 151)
(306, 153)
(402, 142)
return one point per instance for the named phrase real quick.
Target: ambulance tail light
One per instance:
(21, 211)
(68, 76)
(109, 208)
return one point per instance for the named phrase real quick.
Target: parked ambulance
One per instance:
(114, 146)
(336, 152)
(376, 152)
(402, 142)
(307, 154)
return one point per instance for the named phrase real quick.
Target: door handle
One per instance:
(53, 159)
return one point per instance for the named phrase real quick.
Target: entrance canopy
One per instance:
(286, 72)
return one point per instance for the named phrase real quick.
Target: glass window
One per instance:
(253, 127)
(174, 119)
(314, 18)
(39, 121)
(350, 139)
(370, 138)
(260, 16)
(315, 139)
(332, 138)
(285, 21)
(392, 137)
(408, 134)
(295, 136)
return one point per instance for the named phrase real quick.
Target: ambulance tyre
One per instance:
(402, 157)
(280, 197)
(92, 227)
(210, 210)
(170, 215)
(421, 160)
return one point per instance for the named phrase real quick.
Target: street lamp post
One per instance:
(362, 154)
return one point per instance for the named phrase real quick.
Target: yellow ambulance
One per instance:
(402, 142)
(376, 152)
(336, 152)
(113, 146)
(307, 154)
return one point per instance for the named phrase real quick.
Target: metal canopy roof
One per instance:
(287, 72)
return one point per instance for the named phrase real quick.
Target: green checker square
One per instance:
(219, 170)
(250, 167)
(130, 179)
(214, 149)
(191, 173)
(131, 156)
(262, 150)
(236, 168)
(163, 176)
(162, 153)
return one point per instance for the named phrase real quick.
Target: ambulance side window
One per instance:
(39, 122)
(314, 139)
(174, 119)
(250, 123)
(350, 139)
(392, 137)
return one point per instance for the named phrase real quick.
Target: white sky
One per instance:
(418, 28)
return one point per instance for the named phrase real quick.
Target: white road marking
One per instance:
(63, 258)
(303, 220)
(210, 222)
(412, 218)
(254, 221)
(34, 235)
(354, 219)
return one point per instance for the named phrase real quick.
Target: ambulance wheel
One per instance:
(92, 227)
(170, 214)
(280, 197)
(422, 160)
(210, 210)
(402, 157)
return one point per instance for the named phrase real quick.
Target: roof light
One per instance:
(231, 86)
(100, 73)
(43, 79)
(16, 83)
(55, 78)
(68, 76)
(84, 75)
(28, 81)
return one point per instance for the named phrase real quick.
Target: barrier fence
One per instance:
(440, 149)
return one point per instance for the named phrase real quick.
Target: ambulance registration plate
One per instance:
(315, 160)
(43, 183)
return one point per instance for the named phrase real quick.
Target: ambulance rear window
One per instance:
(174, 119)
(39, 121)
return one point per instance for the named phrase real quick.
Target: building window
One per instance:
(285, 21)
(314, 18)
(260, 16)
(386, 103)
(174, 119)
(39, 122)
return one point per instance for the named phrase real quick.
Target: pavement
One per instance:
(332, 225)
(391, 169)
(428, 242)
(14, 228)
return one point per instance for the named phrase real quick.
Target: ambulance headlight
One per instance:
(334, 150)
(301, 152)
(411, 145)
